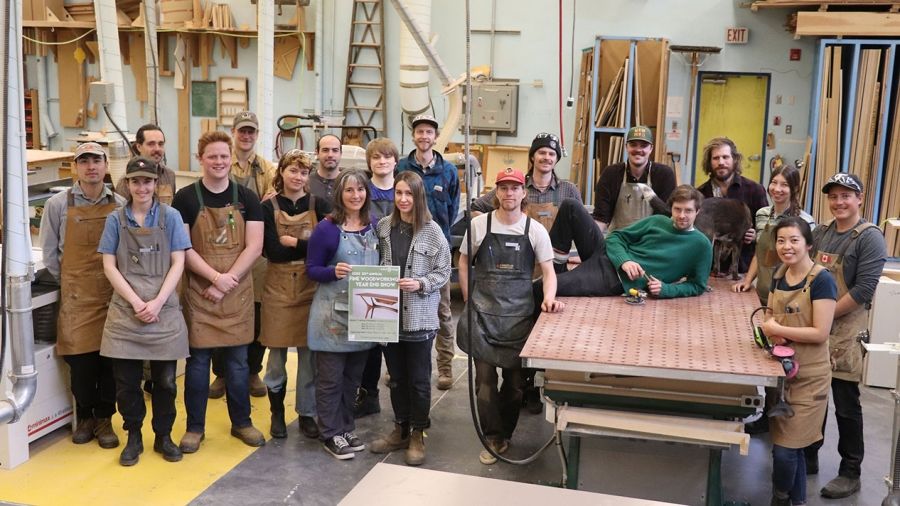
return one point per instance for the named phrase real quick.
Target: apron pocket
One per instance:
(846, 356)
(340, 310)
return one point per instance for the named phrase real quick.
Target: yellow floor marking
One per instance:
(65, 473)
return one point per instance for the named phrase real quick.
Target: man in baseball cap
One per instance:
(80, 214)
(855, 252)
(506, 245)
(442, 189)
(635, 189)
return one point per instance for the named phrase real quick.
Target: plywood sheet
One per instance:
(138, 64)
(71, 80)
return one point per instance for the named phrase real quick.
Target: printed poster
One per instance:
(374, 314)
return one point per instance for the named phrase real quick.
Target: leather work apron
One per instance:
(807, 393)
(288, 292)
(844, 342)
(259, 266)
(632, 205)
(218, 236)
(502, 299)
(144, 258)
(330, 310)
(165, 193)
(766, 263)
(84, 289)
(545, 214)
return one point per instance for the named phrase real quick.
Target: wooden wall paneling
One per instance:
(138, 64)
(70, 74)
(184, 107)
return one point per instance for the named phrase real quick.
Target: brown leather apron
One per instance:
(807, 392)
(259, 266)
(631, 205)
(288, 292)
(545, 214)
(144, 258)
(844, 342)
(218, 236)
(84, 290)
(766, 262)
(165, 194)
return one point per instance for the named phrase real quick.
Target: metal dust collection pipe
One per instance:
(17, 264)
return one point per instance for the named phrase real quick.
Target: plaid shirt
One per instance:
(555, 193)
(429, 263)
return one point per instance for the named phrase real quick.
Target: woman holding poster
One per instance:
(344, 238)
(409, 238)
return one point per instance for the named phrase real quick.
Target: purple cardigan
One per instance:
(323, 244)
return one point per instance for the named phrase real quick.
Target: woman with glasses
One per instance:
(344, 238)
(410, 239)
(289, 220)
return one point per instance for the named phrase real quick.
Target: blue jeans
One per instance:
(409, 363)
(789, 472)
(237, 389)
(276, 377)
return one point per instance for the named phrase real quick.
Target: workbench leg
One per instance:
(573, 459)
(714, 479)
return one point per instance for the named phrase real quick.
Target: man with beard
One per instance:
(150, 142)
(627, 192)
(328, 152)
(722, 163)
(442, 187)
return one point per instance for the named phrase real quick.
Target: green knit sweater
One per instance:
(664, 252)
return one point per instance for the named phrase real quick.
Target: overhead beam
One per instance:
(848, 24)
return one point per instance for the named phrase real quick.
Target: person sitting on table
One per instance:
(651, 255)
(801, 309)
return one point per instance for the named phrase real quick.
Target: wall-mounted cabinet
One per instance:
(630, 79)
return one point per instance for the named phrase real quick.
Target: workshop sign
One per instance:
(374, 304)
(737, 35)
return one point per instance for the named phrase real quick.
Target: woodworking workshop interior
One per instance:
(447, 252)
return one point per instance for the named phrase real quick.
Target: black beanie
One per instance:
(544, 140)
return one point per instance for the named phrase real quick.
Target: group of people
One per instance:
(286, 236)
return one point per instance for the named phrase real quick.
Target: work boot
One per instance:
(105, 435)
(499, 447)
(415, 454)
(257, 387)
(190, 442)
(445, 379)
(840, 487)
(309, 427)
(249, 435)
(163, 444)
(396, 440)
(780, 499)
(133, 449)
(217, 388)
(367, 403)
(85, 431)
(276, 405)
(532, 401)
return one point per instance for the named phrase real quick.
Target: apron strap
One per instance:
(123, 219)
(70, 198)
(275, 205)
(486, 234)
(161, 217)
(527, 225)
(199, 193)
(312, 202)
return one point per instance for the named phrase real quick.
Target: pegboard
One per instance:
(705, 334)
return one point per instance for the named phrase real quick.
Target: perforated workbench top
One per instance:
(705, 338)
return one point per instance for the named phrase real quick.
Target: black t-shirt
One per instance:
(187, 204)
(272, 247)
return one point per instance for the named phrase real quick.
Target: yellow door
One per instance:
(733, 106)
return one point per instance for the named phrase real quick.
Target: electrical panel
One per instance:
(495, 107)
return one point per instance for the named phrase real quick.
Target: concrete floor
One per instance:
(298, 471)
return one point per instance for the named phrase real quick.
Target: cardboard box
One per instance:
(884, 327)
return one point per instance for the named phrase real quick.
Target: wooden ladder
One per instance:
(364, 100)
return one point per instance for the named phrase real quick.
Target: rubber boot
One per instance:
(276, 404)
(133, 449)
(415, 454)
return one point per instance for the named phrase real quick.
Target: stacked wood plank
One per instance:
(829, 129)
(890, 198)
(865, 124)
(578, 173)
(218, 17)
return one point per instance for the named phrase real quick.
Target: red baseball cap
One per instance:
(510, 174)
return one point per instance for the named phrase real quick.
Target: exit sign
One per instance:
(737, 35)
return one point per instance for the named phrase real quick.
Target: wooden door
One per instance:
(733, 106)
